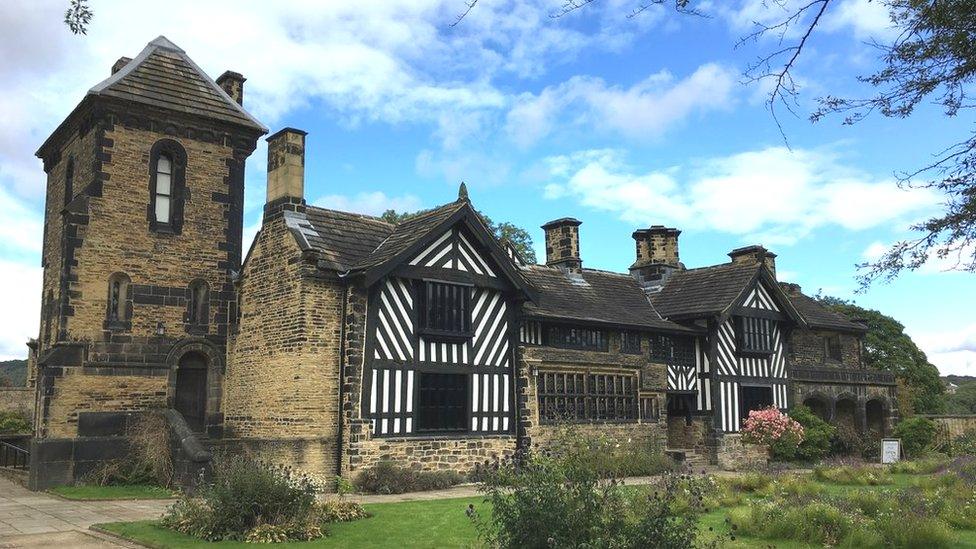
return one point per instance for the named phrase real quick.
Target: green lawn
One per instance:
(442, 523)
(88, 492)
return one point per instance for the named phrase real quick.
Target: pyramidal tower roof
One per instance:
(162, 75)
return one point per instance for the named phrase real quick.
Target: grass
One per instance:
(442, 523)
(435, 523)
(87, 492)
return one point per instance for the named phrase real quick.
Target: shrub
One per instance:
(244, 495)
(388, 478)
(964, 444)
(847, 441)
(924, 466)
(852, 475)
(916, 434)
(607, 456)
(817, 434)
(792, 485)
(773, 428)
(13, 422)
(813, 522)
(338, 510)
(913, 531)
(149, 460)
(748, 482)
(560, 501)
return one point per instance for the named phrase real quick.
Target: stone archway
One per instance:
(874, 412)
(196, 382)
(819, 405)
(845, 413)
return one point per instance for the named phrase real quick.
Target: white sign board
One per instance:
(890, 450)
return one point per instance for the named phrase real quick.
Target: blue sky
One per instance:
(621, 123)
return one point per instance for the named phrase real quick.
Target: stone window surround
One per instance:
(122, 319)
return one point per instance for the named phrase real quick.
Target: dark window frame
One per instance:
(673, 350)
(587, 397)
(630, 343)
(833, 350)
(443, 403)
(445, 310)
(580, 338)
(754, 336)
(118, 306)
(178, 191)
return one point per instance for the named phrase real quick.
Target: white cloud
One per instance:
(369, 203)
(20, 291)
(953, 352)
(645, 110)
(773, 195)
(864, 18)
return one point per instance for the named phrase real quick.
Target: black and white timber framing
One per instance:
(401, 352)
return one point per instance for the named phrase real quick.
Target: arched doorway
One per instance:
(818, 406)
(190, 398)
(845, 413)
(874, 413)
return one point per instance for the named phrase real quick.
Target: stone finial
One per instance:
(463, 193)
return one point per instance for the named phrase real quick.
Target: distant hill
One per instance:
(15, 371)
(959, 380)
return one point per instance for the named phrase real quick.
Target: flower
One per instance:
(768, 425)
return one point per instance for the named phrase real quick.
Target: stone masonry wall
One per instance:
(807, 349)
(77, 391)
(282, 378)
(653, 380)
(434, 453)
(735, 455)
(19, 400)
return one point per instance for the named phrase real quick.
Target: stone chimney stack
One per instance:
(233, 85)
(657, 256)
(123, 61)
(286, 171)
(562, 244)
(755, 254)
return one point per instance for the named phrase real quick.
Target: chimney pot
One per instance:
(233, 85)
(562, 244)
(123, 61)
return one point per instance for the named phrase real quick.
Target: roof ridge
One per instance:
(354, 214)
(717, 266)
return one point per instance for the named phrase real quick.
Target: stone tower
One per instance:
(142, 240)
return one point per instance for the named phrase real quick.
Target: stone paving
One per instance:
(36, 519)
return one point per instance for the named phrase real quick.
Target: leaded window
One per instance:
(446, 310)
(587, 397)
(630, 343)
(117, 310)
(755, 335)
(443, 402)
(167, 188)
(164, 189)
(832, 347)
(673, 350)
(575, 337)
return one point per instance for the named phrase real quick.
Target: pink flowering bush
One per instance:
(771, 427)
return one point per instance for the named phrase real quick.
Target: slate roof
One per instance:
(703, 291)
(341, 239)
(818, 316)
(162, 75)
(596, 296)
(408, 233)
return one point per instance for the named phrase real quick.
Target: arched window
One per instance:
(167, 190)
(198, 303)
(48, 315)
(118, 311)
(69, 181)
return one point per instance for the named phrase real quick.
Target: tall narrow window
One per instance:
(832, 347)
(117, 310)
(69, 181)
(164, 189)
(198, 303)
(167, 188)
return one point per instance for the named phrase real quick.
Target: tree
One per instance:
(78, 16)
(520, 239)
(888, 347)
(963, 401)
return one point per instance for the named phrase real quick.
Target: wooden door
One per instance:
(191, 392)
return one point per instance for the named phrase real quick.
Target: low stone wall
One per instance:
(312, 456)
(954, 425)
(653, 434)
(735, 455)
(19, 400)
(433, 453)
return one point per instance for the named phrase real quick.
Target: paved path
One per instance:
(36, 519)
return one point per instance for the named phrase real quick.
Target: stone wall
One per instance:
(652, 382)
(19, 400)
(735, 455)
(453, 453)
(78, 391)
(951, 426)
(807, 349)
